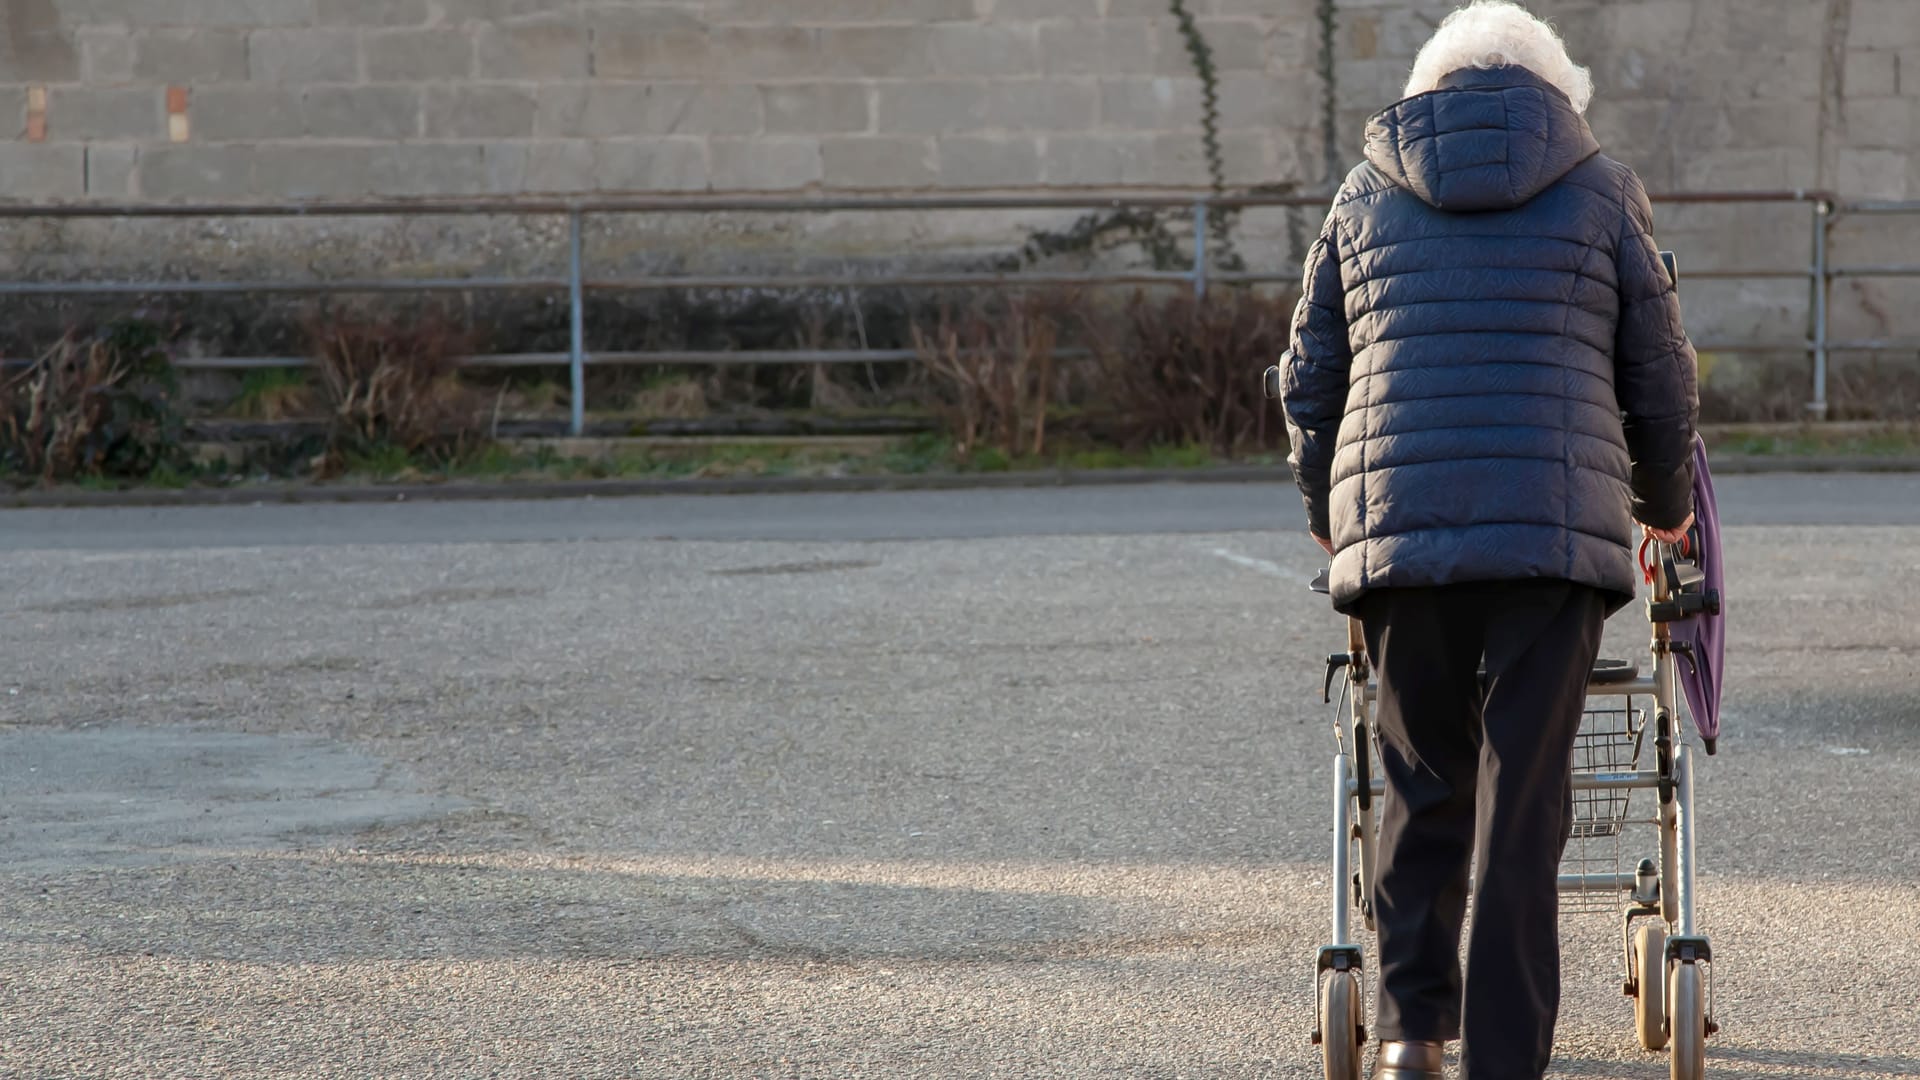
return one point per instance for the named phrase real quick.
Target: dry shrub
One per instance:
(99, 407)
(1874, 386)
(1756, 387)
(824, 392)
(992, 370)
(805, 323)
(1186, 371)
(275, 394)
(670, 398)
(394, 382)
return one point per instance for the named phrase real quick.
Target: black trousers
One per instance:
(1473, 765)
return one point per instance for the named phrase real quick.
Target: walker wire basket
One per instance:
(1608, 742)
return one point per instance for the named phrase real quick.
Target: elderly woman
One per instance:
(1487, 383)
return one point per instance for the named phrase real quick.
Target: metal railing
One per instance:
(577, 284)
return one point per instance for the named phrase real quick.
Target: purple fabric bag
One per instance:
(1704, 634)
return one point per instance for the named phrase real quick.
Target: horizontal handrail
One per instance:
(750, 357)
(1199, 202)
(1879, 206)
(318, 285)
(716, 282)
(1152, 199)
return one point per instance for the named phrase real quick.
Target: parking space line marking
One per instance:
(1258, 565)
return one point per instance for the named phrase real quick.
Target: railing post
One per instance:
(1200, 249)
(1822, 281)
(577, 352)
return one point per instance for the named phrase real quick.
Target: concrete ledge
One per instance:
(1749, 464)
(1725, 465)
(588, 489)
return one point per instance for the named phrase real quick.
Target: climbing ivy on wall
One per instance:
(1328, 16)
(1152, 229)
(1200, 54)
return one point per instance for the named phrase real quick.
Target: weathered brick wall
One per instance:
(349, 98)
(335, 98)
(319, 98)
(1711, 94)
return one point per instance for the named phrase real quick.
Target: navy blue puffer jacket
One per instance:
(1487, 376)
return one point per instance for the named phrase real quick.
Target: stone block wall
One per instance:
(349, 98)
(345, 98)
(217, 100)
(1711, 94)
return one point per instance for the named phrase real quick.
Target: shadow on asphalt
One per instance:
(1840, 1064)
(261, 907)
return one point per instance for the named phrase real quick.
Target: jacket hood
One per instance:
(1484, 140)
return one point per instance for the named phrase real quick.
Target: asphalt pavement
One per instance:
(1786, 499)
(722, 787)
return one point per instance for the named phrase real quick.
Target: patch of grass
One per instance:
(492, 460)
(753, 460)
(640, 465)
(625, 465)
(1105, 457)
(990, 459)
(274, 394)
(1813, 442)
(383, 461)
(497, 461)
(661, 377)
(1190, 456)
(915, 455)
(385, 464)
(1767, 446)
(682, 399)
(699, 460)
(170, 478)
(1903, 443)
(539, 397)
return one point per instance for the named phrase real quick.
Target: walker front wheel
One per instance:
(1687, 1025)
(1650, 982)
(1340, 1029)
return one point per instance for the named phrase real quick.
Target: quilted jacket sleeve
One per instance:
(1314, 394)
(1654, 371)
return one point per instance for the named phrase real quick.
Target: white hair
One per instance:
(1499, 33)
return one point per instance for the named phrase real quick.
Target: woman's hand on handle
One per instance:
(1670, 536)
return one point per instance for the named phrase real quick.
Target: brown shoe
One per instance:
(1410, 1061)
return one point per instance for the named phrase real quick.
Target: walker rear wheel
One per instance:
(1650, 981)
(1687, 1000)
(1340, 1025)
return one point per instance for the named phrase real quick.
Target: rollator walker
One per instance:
(1630, 740)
